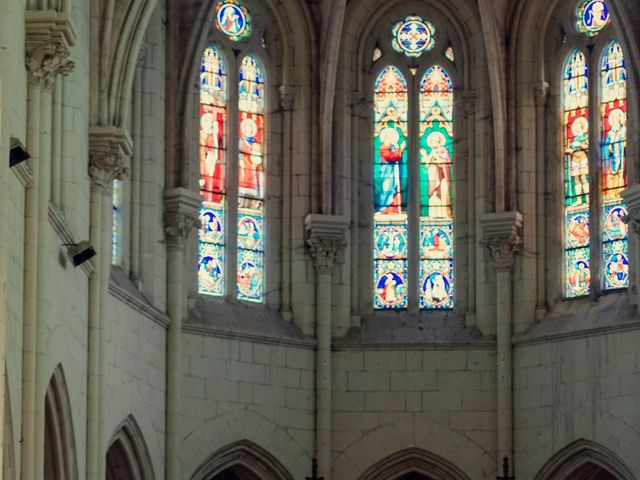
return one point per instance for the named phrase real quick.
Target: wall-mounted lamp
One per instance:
(80, 252)
(17, 153)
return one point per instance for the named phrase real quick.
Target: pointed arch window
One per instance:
(400, 218)
(232, 232)
(595, 172)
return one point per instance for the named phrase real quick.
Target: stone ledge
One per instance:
(56, 219)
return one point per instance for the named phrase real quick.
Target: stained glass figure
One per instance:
(593, 16)
(615, 249)
(390, 190)
(413, 36)
(436, 193)
(117, 223)
(213, 122)
(449, 54)
(576, 166)
(251, 191)
(233, 20)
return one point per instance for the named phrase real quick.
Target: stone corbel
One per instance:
(108, 148)
(541, 93)
(469, 103)
(181, 208)
(501, 233)
(631, 197)
(286, 97)
(325, 238)
(360, 107)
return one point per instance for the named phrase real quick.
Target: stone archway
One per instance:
(585, 460)
(127, 456)
(413, 464)
(59, 443)
(243, 460)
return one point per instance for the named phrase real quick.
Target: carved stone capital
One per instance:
(287, 97)
(181, 208)
(360, 107)
(501, 231)
(325, 238)
(108, 148)
(541, 93)
(45, 62)
(469, 102)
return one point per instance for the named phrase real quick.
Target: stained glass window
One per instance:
(213, 125)
(251, 180)
(576, 163)
(390, 190)
(233, 20)
(593, 16)
(413, 36)
(436, 175)
(117, 223)
(613, 109)
(377, 54)
(450, 54)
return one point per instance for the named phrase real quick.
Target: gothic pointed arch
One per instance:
(243, 459)
(60, 461)
(127, 456)
(585, 460)
(413, 463)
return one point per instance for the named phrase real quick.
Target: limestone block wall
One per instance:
(235, 389)
(587, 387)
(440, 400)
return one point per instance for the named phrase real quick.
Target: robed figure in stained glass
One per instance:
(614, 149)
(391, 171)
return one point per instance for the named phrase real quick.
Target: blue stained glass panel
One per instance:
(390, 280)
(250, 276)
(578, 272)
(211, 269)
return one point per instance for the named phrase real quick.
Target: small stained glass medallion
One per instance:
(377, 54)
(449, 54)
(593, 16)
(413, 36)
(233, 20)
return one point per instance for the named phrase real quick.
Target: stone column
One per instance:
(502, 239)
(325, 237)
(108, 147)
(541, 94)
(48, 39)
(181, 214)
(286, 102)
(469, 108)
(631, 197)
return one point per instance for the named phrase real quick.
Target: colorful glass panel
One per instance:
(251, 180)
(377, 54)
(213, 122)
(450, 55)
(436, 192)
(576, 166)
(117, 223)
(593, 16)
(413, 36)
(390, 190)
(233, 20)
(613, 109)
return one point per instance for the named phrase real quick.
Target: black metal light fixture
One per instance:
(314, 470)
(80, 252)
(505, 470)
(17, 152)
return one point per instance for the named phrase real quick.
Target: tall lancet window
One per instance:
(413, 175)
(232, 216)
(595, 170)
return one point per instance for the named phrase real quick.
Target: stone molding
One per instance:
(181, 214)
(541, 93)
(108, 147)
(501, 232)
(49, 35)
(325, 238)
(23, 173)
(287, 97)
(56, 220)
(631, 197)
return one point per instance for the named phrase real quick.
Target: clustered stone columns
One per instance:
(286, 103)
(49, 35)
(325, 237)
(501, 233)
(108, 148)
(631, 197)
(181, 213)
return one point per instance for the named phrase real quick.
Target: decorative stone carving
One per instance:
(181, 214)
(286, 97)
(469, 102)
(501, 231)
(360, 106)
(325, 239)
(108, 147)
(541, 93)
(631, 197)
(45, 62)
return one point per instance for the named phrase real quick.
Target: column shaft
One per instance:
(323, 371)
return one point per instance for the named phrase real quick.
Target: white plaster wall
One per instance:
(582, 388)
(236, 389)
